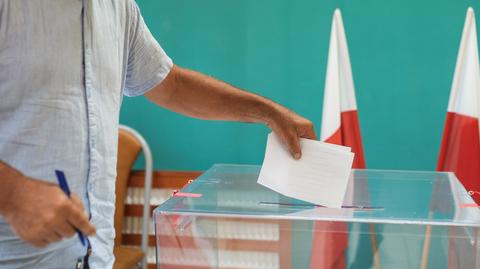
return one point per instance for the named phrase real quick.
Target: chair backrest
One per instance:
(128, 150)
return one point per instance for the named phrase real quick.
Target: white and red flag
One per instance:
(339, 126)
(339, 118)
(460, 150)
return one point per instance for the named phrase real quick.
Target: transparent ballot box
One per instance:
(390, 219)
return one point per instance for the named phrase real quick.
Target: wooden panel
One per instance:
(171, 266)
(285, 250)
(189, 242)
(126, 257)
(136, 210)
(163, 179)
(136, 240)
(248, 245)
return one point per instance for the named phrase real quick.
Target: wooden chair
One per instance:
(130, 144)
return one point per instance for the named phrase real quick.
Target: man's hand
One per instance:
(290, 127)
(40, 213)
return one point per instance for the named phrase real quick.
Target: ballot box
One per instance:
(390, 219)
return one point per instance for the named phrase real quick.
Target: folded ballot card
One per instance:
(319, 177)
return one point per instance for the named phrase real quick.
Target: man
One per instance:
(64, 66)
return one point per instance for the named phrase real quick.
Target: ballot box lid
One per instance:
(373, 196)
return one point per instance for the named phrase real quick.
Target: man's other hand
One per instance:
(290, 127)
(41, 213)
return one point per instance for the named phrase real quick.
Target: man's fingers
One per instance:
(43, 219)
(76, 200)
(308, 132)
(66, 230)
(79, 219)
(293, 143)
(52, 237)
(39, 243)
(89, 228)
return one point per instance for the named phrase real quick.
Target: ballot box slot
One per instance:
(310, 206)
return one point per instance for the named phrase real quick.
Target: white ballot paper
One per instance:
(319, 177)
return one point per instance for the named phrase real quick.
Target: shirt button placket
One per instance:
(90, 104)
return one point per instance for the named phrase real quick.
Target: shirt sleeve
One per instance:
(148, 64)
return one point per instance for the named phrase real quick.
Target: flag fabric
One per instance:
(340, 118)
(460, 149)
(339, 126)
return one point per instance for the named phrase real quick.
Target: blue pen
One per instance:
(62, 181)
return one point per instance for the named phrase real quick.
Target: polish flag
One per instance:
(339, 118)
(339, 126)
(460, 151)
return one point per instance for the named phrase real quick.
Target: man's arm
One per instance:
(200, 96)
(39, 212)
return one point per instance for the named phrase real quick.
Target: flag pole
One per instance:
(376, 254)
(426, 244)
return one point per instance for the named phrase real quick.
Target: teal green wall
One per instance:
(402, 52)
